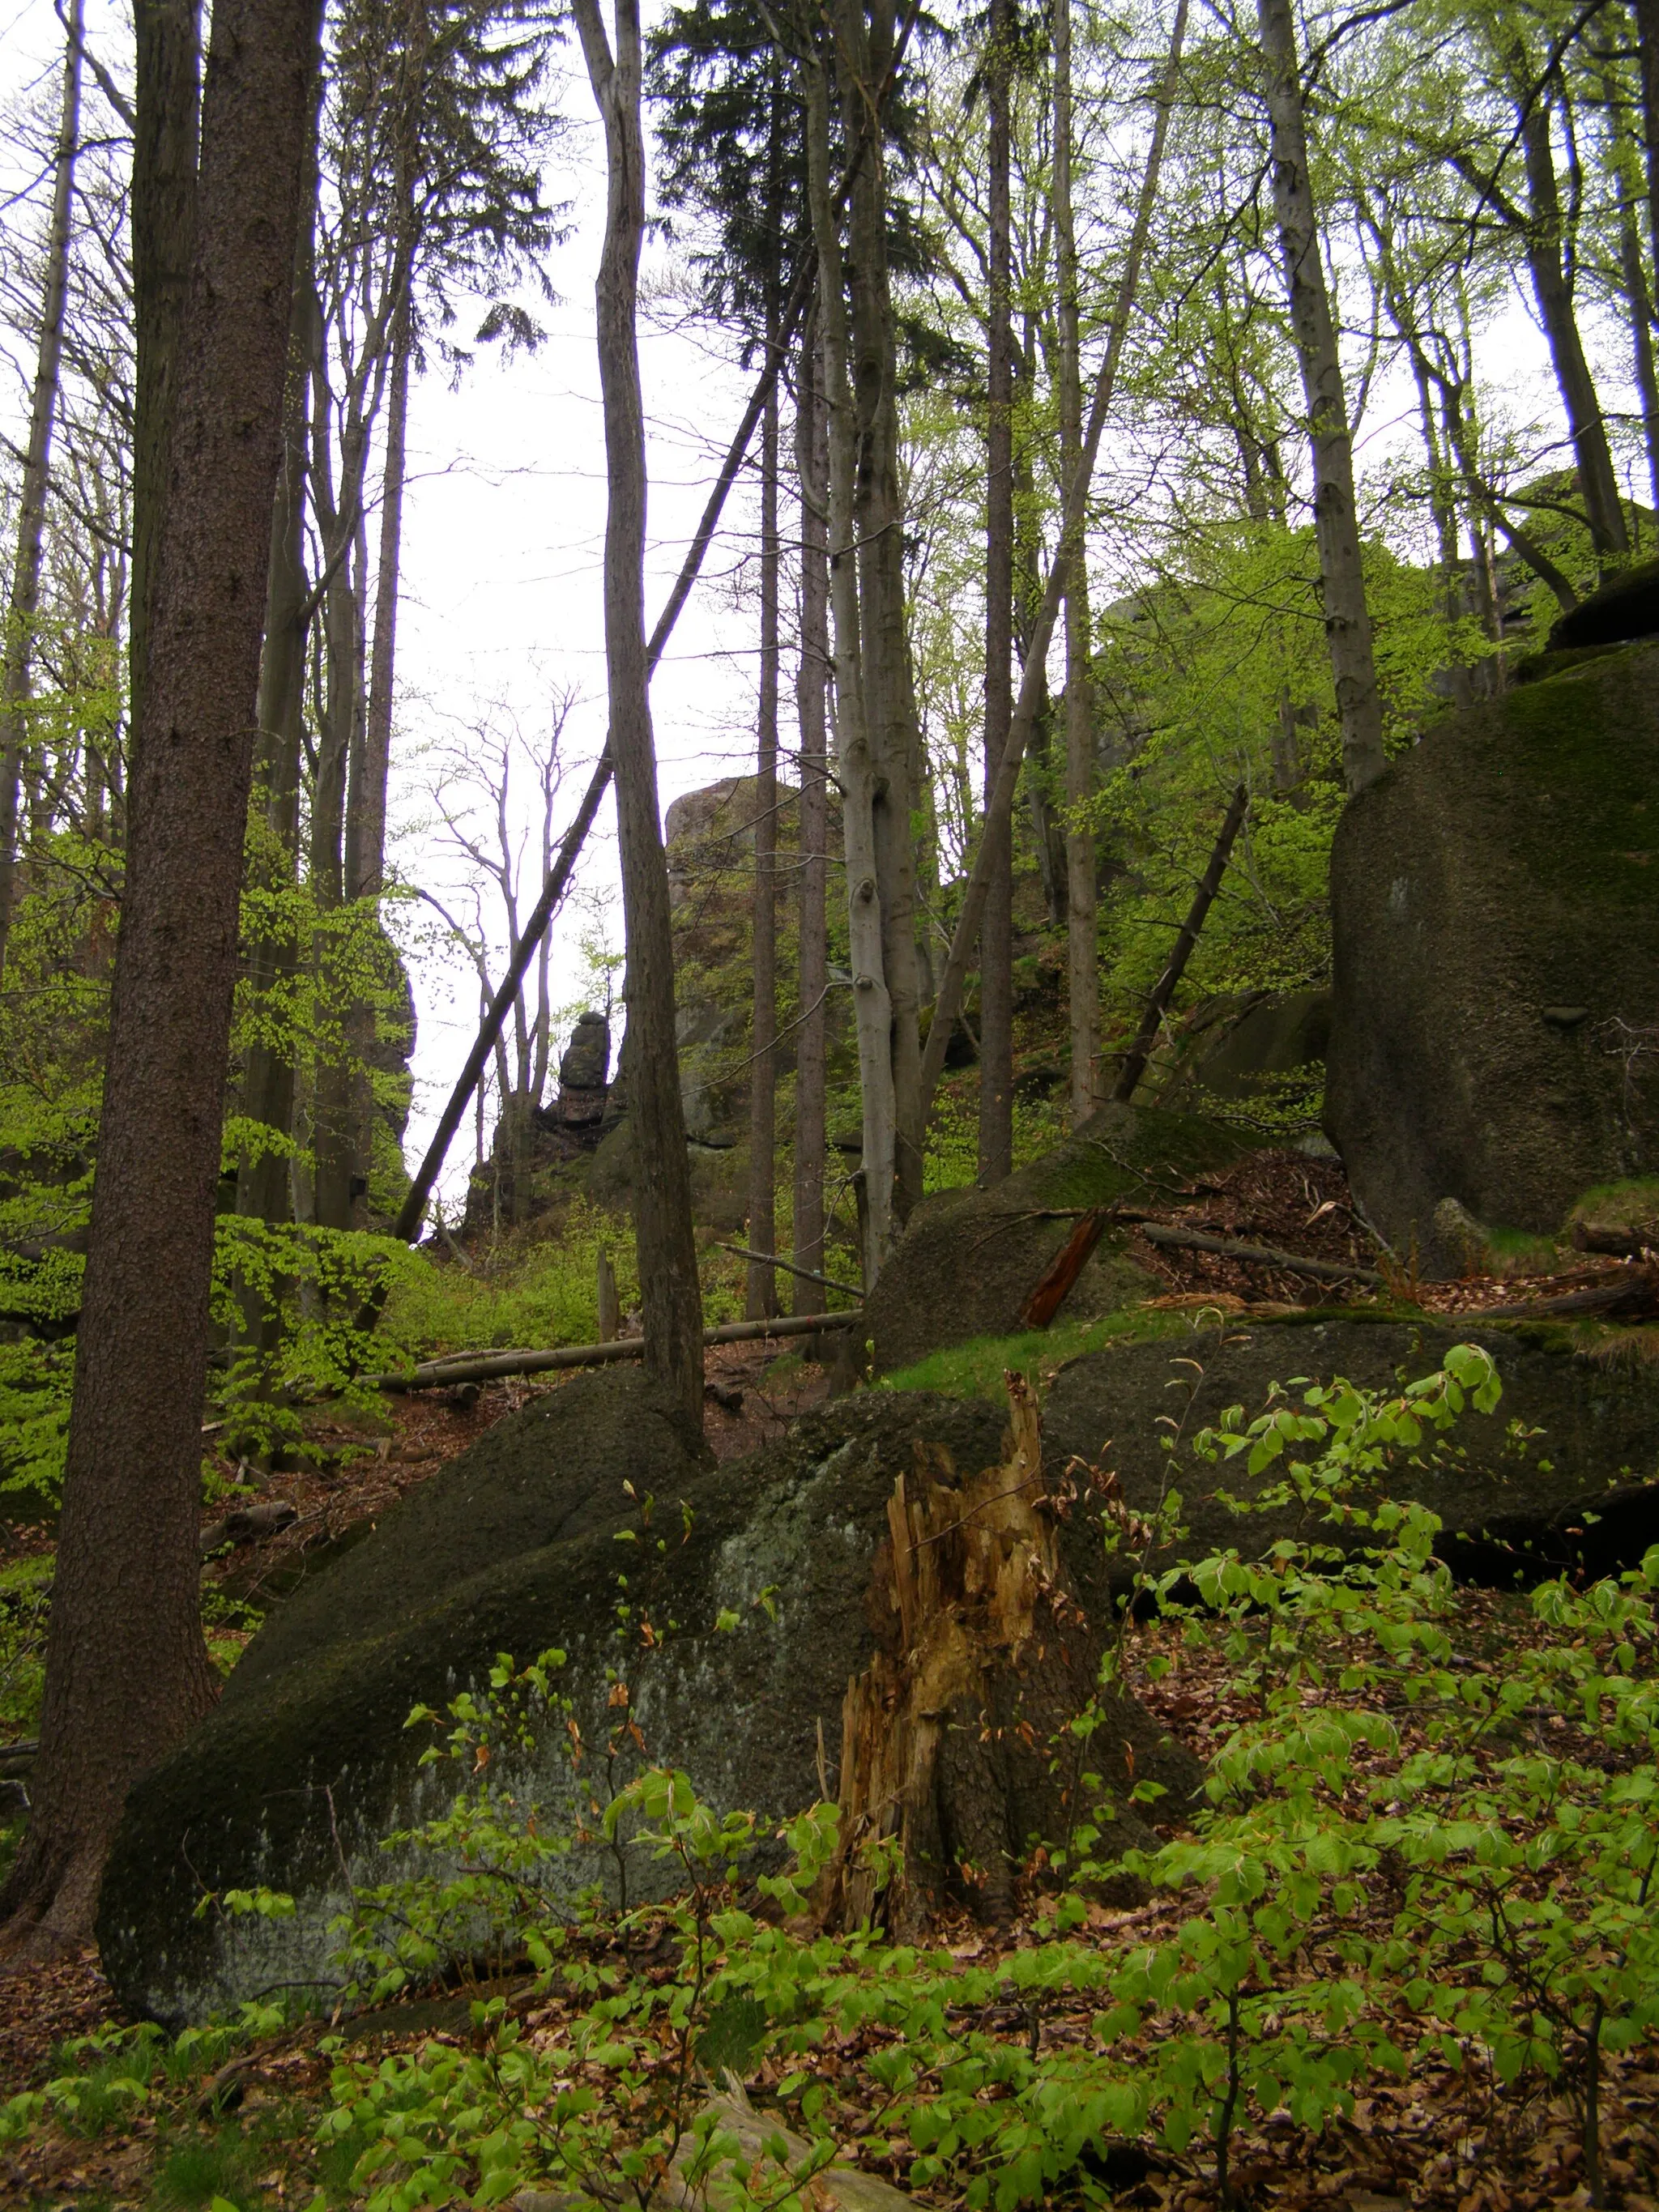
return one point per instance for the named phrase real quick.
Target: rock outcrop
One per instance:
(970, 1259)
(306, 1764)
(1495, 1027)
(1581, 1493)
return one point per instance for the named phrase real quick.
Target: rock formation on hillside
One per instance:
(970, 1259)
(761, 1582)
(1495, 1025)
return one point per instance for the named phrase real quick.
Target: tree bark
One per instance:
(872, 1003)
(1647, 46)
(1336, 519)
(671, 1295)
(811, 470)
(23, 602)
(168, 96)
(996, 943)
(1552, 289)
(866, 59)
(761, 1299)
(1082, 945)
(365, 858)
(264, 1186)
(126, 1675)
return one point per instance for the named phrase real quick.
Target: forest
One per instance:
(845, 1390)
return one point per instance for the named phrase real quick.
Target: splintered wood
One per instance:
(972, 1623)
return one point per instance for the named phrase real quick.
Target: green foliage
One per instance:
(25, 1600)
(546, 1293)
(980, 1368)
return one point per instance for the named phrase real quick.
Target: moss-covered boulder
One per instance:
(1580, 1493)
(306, 1766)
(970, 1259)
(1495, 911)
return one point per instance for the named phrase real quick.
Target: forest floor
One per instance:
(1443, 2139)
(1440, 2138)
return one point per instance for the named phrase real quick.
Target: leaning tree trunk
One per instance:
(125, 1678)
(670, 1293)
(996, 942)
(1082, 945)
(958, 1750)
(762, 1298)
(1336, 518)
(366, 799)
(812, 469)
(24, 603)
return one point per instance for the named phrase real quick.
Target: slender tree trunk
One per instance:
(24, 602)
(1336, 518)
(365, 860)
(263, 1184)
(996, 944)
(126, 1674)
(1069, 548)
(1552, 289)
(872, 1004)
(1082, 946)
(762, 1301)
(811, 470)
(670, 1292)
(865, 52)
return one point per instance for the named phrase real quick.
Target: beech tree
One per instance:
(124, 1680)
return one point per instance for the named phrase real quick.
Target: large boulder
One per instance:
(1581, 1493)
(1497, 946)
(306, 1764)
(970, 1259)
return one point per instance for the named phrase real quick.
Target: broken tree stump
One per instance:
(959, 1758)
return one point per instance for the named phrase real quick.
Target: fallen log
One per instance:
(1259, 1255)
(1629, 1293)
(789, 1267)
(487, 1366)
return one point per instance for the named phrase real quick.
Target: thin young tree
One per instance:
(996, 948)
(1336, 516)
(124, 1680)
(23, 602)
(1082, 947)
(812, 473)
(670, 1292)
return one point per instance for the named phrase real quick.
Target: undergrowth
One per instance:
(1414, 1874)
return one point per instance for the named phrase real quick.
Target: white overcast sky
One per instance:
(504, 528)
(504, 534)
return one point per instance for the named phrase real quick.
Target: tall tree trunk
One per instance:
(168, 98)
(1082, 945)
(872, 1003)
(365, 856)
(23, 602)
(865, 56)
(670, 1293)
(811, 470)
(1336, 519)
(264, 1189)
(996, 943)
(1646, 13)
(126, 1679)
(762, 1301)
(1553, 288)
